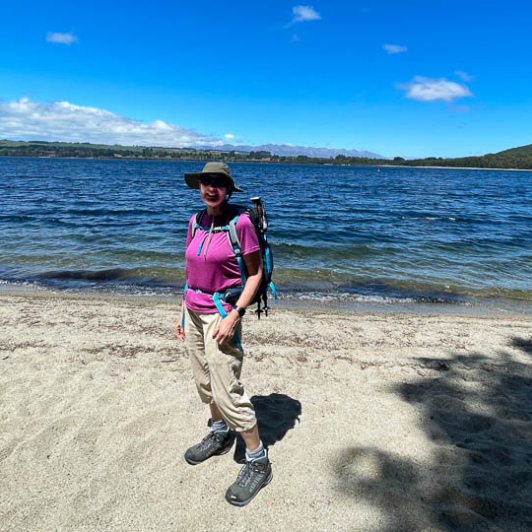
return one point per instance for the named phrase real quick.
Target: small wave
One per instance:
(436, 218)
(138, 275)
(339, 297)
(23, 285)
(109, 212)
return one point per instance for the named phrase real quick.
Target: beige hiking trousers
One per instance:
(217, 369)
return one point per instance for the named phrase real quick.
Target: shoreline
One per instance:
(301, 302)
(258, 161)
(414, 421)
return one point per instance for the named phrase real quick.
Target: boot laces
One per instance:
(245, 474)
(206, 442)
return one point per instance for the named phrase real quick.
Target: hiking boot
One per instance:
(214, 444)
(251, 479)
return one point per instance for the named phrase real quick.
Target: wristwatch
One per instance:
(241, 310)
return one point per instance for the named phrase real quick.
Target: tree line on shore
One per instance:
(520, 158)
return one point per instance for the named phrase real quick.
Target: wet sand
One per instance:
(373, 421)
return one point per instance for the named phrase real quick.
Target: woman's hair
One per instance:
(230, 190)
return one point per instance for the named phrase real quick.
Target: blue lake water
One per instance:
(365, 233)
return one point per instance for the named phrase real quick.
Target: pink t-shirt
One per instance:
(215, 268)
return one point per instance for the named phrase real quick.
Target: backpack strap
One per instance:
(197, 222)
(235, 244)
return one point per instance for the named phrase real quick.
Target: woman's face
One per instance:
(213, 190)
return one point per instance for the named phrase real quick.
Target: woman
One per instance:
(212, 333)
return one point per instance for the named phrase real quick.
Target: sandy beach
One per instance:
(373, 421)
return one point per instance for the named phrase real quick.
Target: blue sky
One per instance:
(406, 78)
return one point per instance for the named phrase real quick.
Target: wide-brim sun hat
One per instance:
(192, 179)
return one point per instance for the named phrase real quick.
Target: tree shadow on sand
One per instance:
(525, 344)
(477, 411)
(276, 415)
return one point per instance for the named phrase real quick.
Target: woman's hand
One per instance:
(179, 331)
(225, 330)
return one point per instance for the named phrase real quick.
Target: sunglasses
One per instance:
(215, 181)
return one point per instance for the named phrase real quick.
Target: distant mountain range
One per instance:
(517, 158)
(293, 151)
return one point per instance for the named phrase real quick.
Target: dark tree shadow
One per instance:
(525, 344)
(477, 411)
(276, 415)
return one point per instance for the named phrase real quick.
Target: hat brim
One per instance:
(193, 180)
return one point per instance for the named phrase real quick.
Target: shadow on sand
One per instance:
(525, 344)
(477, 412)
(276, 415)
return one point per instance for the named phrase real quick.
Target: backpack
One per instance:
(257, 215)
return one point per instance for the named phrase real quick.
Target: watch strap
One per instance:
(241, 310)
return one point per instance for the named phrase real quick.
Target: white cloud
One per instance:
(25, 119)
(304, 13)
(229, 136)
(61, 38)
(394, 48)
(428, 90)
(464, 76)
